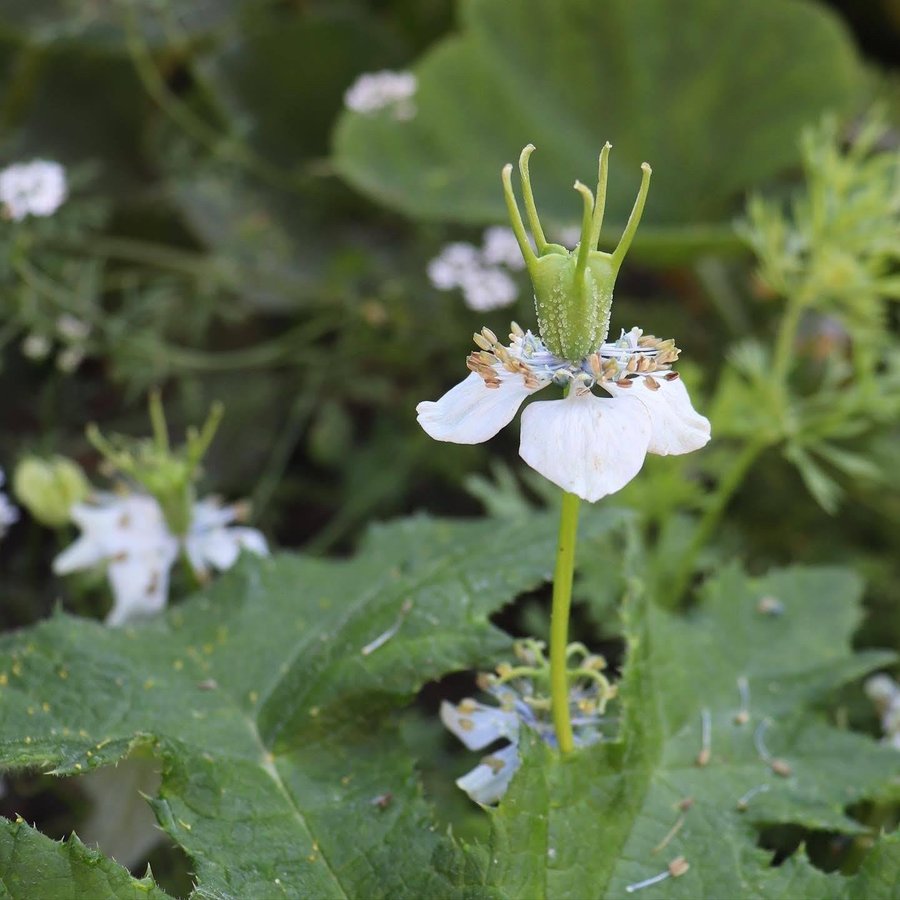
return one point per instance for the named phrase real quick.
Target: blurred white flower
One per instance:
(588, 445)
(128, 533)
(385, 90)
(884, 692)
(69, 359)
(72, 328)
(36, 346)
(36, 188)
(500, 248)
(481, 273)
(9, 513)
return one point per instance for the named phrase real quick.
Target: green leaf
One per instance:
(34, 866)
(618, 813)
(270, 701)
(713, 98)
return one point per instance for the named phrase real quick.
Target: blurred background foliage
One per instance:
(234, 233)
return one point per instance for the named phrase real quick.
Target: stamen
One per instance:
(778, 766)
(676, 869)
(743, 802)
(742, 717)
(651, 383)
(385, 636)
(705, 737)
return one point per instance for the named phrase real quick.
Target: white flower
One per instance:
(481, 273)
(36, 346)
(72, 328)
(375, 91)
(884, 692)
(37, 188)
(587, 445)
(9, 514)
(129, 534)
(500, 248)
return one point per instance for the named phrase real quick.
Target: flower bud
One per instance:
(573, 290)
(49, 488)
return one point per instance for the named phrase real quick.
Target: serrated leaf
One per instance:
(616, 814)
(698, 93)
(269, 700)
(34, 866)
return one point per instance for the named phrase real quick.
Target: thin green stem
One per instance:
(784, 342)
(559, 622)
(711, 518)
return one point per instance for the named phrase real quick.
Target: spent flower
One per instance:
(517, 690)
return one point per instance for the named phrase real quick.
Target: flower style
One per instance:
(376, 91)
(9, 513)
(588, 445)
(478, 725)
(129, 533)
(36, 188)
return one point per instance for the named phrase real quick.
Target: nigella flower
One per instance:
(385, 90)
(36, 188)
(479, 725)
(588, 445)
(128, 533)
(9, 514)
(884, 692)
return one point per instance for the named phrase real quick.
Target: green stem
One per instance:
(710, 520)
(559, 622)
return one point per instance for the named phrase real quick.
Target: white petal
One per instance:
(488, 781)
(477, 724)
(471, 412)
(140, 584)
(677, 426)
(83, 554)
(587, 445)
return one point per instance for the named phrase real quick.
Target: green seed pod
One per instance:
(573, 290)
(49, 488)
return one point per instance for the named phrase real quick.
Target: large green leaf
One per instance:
(271, 708)
(712, 93)
(32, 866)
(617, 814)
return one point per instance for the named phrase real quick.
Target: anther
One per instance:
(489, 336)
(516, 330)
(651, 383)
(705, 737)
(481, 341)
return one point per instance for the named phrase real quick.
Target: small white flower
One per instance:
(129, 534)
(884, 692)
(36, 346)
(489, 289)
(376, 91)
(69, 359)
(37, 188)
(500, 248)
(9, 513)
(72, 328)
(588, 445)
(482, 273)
(454, 265)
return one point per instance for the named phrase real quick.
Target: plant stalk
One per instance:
(559, 622)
